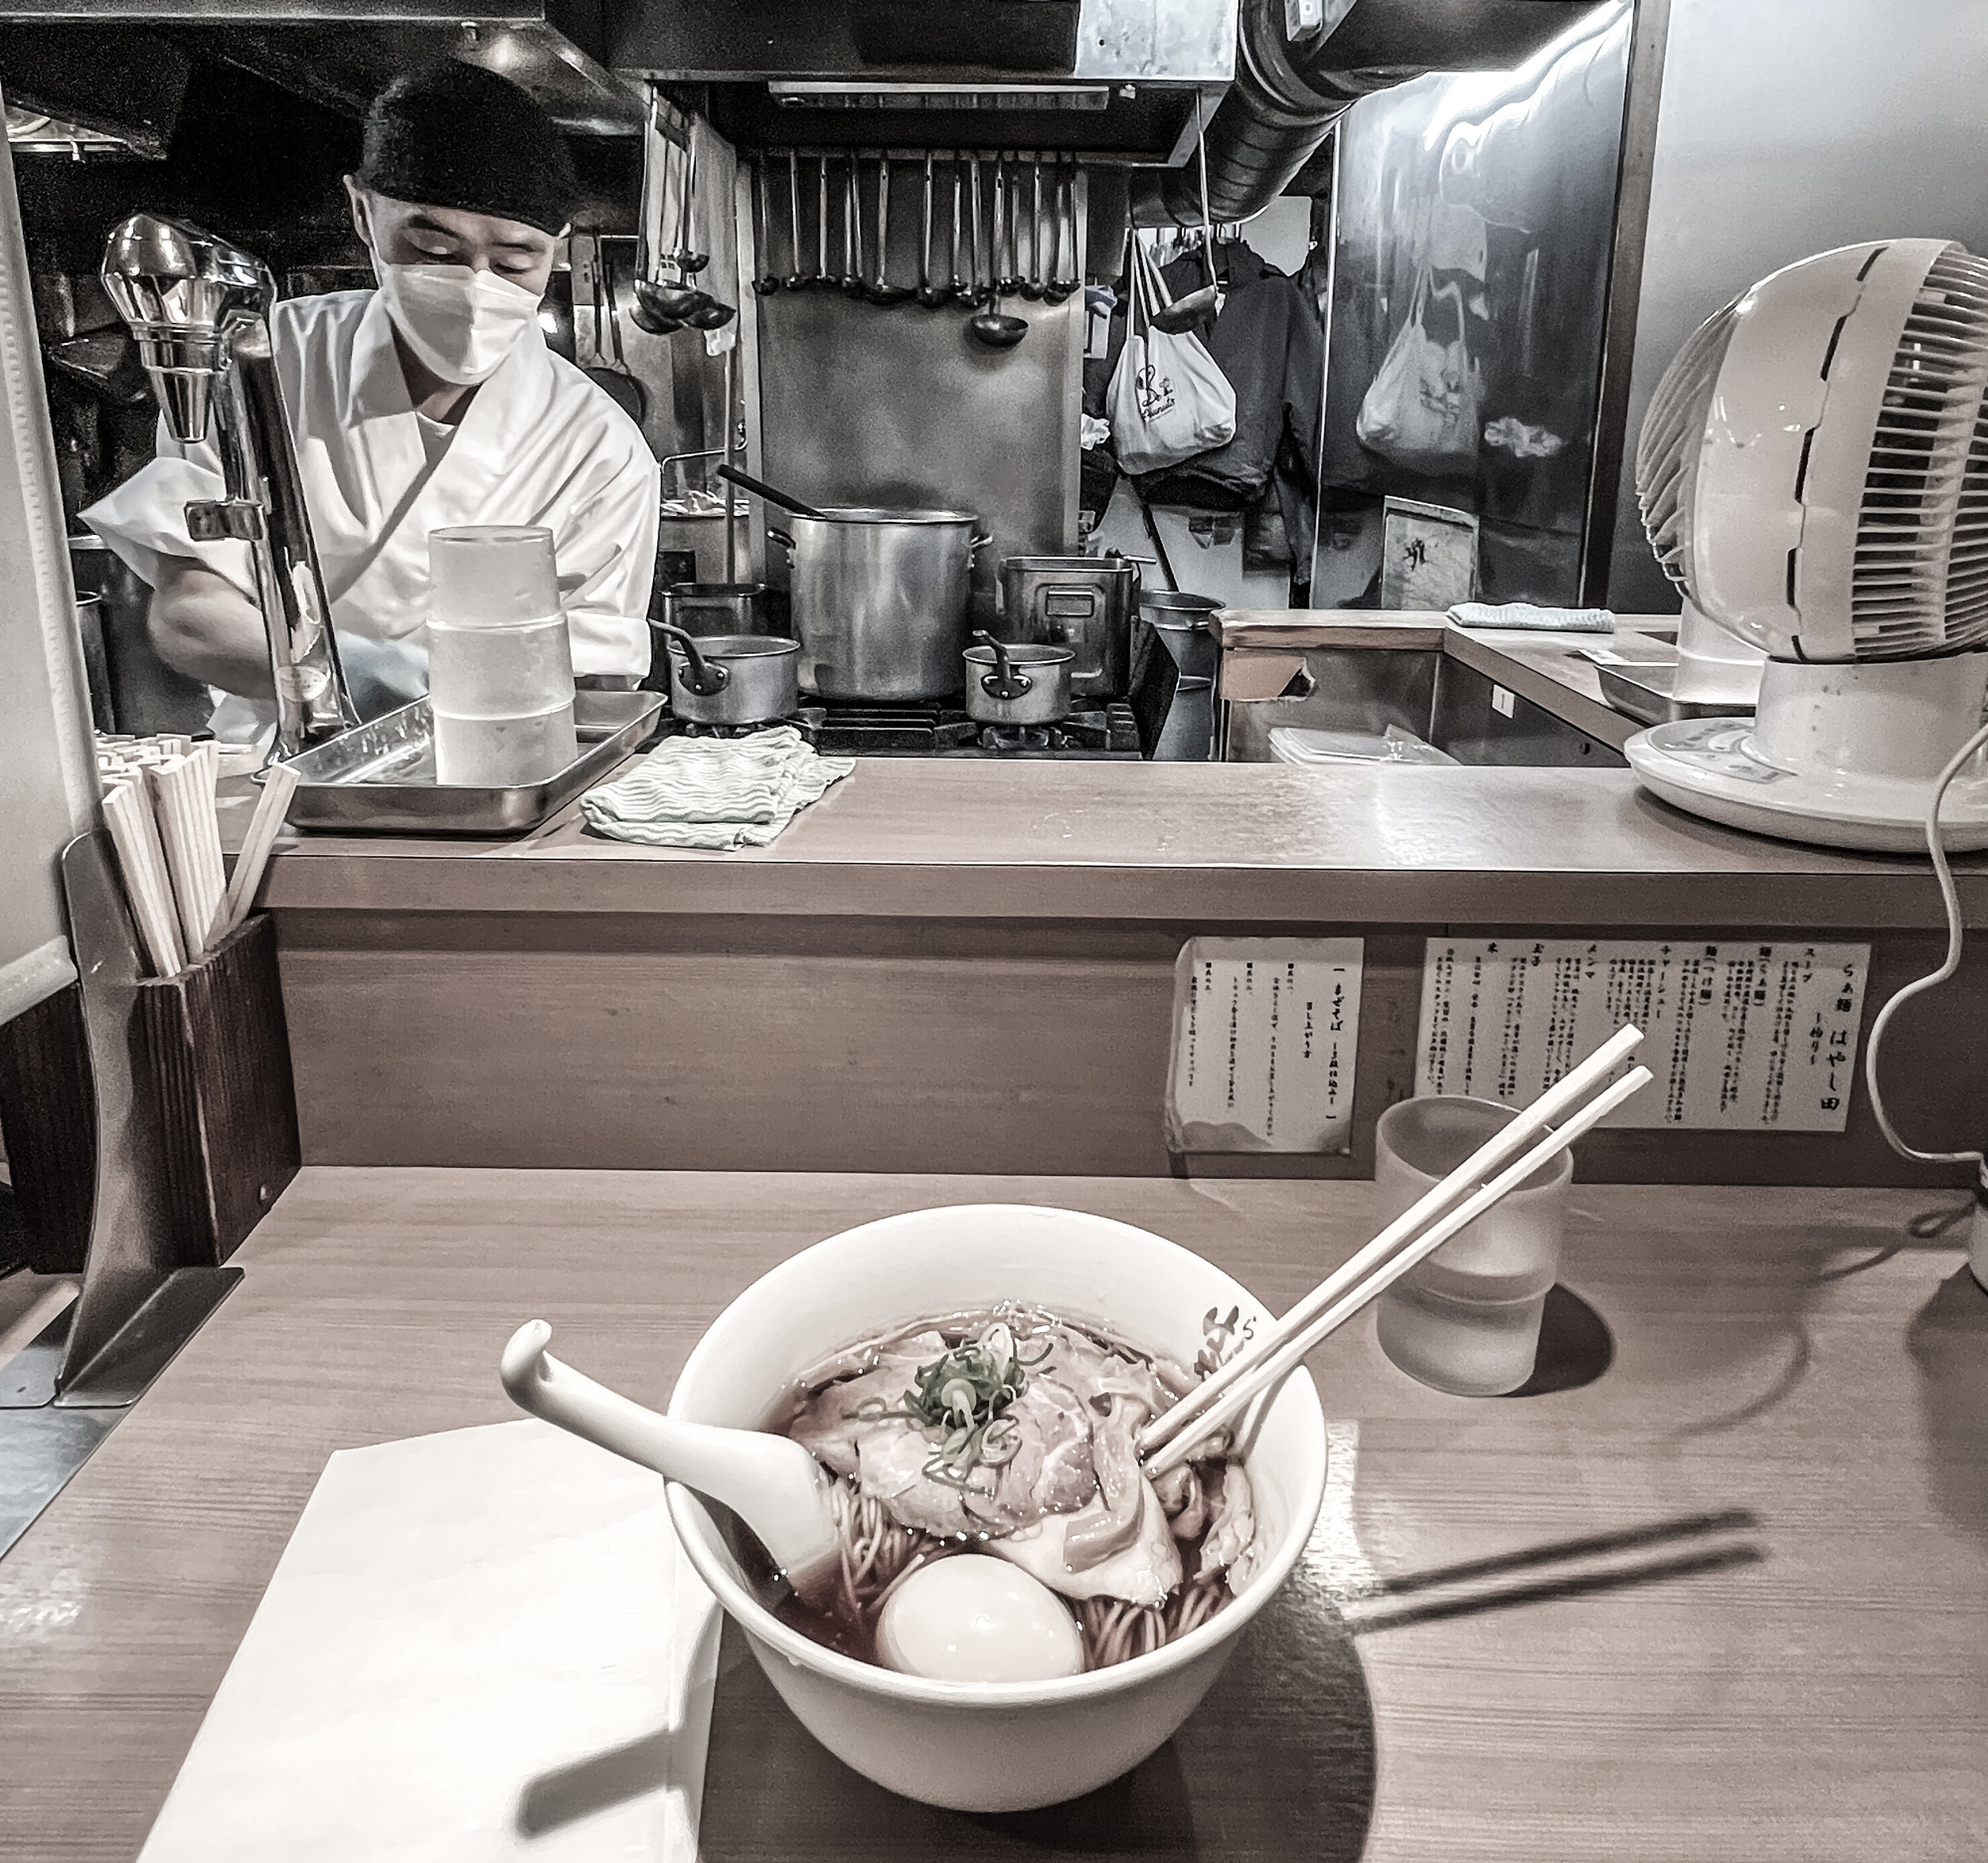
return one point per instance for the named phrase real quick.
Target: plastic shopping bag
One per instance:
(1421, 410)
(1169, 399)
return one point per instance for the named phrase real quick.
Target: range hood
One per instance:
(61, 54)
(1122, 81)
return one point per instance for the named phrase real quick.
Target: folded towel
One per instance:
(714, 792)
(1525, 615)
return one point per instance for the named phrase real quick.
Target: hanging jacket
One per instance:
(1268, 345)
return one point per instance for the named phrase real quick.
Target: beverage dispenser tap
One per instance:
(199, 308)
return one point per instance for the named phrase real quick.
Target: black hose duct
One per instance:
(1286, 97)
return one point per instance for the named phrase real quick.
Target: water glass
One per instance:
(1467, 1319)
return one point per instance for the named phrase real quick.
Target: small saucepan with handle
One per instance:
(731, 679)
(1017, 684)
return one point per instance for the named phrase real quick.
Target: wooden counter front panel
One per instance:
(647, 1042)
(756, 1044)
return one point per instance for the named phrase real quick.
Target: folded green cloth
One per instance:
(714, 792)
(1525, 615)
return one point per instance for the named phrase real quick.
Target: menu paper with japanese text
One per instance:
(1741, 1037)
(1264, 1036)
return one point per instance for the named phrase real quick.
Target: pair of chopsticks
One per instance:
(1489, 1174)
(159, 805)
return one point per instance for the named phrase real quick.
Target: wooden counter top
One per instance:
(1773, 1646)
(972, 840)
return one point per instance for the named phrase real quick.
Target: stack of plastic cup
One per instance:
(500, 663)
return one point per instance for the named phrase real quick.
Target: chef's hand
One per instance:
(204, 626)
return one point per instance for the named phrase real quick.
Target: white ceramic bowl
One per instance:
(1011, 1746)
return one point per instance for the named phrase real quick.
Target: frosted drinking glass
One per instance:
(1467, 1319)
(500, 658)
(492, 574)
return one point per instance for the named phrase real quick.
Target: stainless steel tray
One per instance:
(1638, 677)
(381, 777)
(1645, 694)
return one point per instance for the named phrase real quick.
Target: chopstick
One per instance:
(1503, 1146)
(1268, 1365)
(183, 795)
(279, 785)
(128, 809)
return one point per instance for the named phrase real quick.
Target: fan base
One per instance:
(1706, 766)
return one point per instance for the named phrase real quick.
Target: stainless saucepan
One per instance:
(1019, 684)
(731, 679)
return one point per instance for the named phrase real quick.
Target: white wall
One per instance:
(48, 767)
(1787, 127)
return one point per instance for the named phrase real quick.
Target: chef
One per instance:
(429, 402)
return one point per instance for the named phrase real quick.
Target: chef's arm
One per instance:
(202, 625)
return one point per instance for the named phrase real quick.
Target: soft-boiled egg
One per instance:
(974, 1619)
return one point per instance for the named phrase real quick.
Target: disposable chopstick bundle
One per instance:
(128, 808)
(279, 785)
(183, 796)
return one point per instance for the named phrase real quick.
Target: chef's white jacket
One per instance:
(539, 444)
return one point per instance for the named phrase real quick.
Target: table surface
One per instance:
(1729, 1598)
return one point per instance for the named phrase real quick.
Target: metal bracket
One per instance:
(225, 520)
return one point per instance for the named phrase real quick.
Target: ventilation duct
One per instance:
(1286, 94)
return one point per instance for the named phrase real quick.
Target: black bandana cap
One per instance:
(459, 136)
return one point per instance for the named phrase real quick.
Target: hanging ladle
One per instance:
(930, 295)
(1006, 682)
(796, 280)
(770, 1481)
(661, 307)
(767, 280)
(1061, 286)
(1035, 284)
(760, 489)
(989, 324)
(822, 275)
(881, 290)
(1185, 312)
(687, 262)
(852, 239)
(956, 290)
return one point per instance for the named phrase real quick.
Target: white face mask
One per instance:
(460, 323)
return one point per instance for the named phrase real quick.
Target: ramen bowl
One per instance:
(1000, 1746)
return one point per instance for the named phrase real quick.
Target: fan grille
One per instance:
(1920, 580)
(1667, 450)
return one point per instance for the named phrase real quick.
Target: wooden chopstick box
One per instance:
(218, 1050)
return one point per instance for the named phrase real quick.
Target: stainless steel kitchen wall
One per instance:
(1787, 127)
(864, 405)
(1475, 219)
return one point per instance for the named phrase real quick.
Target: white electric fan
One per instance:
(1813, 475)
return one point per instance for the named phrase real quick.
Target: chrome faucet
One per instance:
(200, 310)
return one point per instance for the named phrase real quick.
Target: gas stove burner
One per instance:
(941, 728)
(687, 728)
(1008, 738)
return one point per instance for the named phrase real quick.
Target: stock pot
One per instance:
(878, 599)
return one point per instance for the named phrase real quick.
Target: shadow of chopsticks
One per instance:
(1596, 1563)
(571, 1792)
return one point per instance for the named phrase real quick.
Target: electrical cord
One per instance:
(1950, 897)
